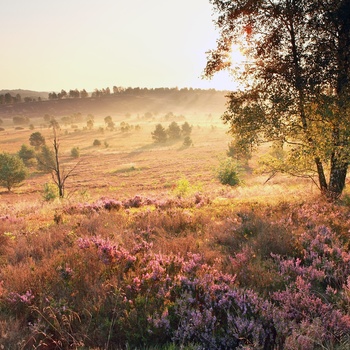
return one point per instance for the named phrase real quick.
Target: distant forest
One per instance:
(8, 98)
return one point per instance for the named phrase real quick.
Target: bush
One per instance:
(75, 152)
(184, 188)
(187, 141)
(227, 172)
(50, 192)
(96, 143)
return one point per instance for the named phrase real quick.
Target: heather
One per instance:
(173, 272)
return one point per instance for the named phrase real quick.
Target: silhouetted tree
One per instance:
(36, 140)
(174, 131)
(159, 135)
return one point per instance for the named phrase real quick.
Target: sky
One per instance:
(86, 44)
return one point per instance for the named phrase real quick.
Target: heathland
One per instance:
(148, 250)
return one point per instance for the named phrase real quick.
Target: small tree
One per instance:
(174, 131)
(12, 170)
(227, 172)
(186, 129)
(27, 155)
(159, 135)
(90, 124)
(75, 152)
(45, 159)
(53, 164)
(187, 141)
(36, 139)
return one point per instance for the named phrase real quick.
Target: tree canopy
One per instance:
(36, 140)
(297, 77)
(12, 170)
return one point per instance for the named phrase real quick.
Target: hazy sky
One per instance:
(52, 45)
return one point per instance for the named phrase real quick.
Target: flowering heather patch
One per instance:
(107, 281)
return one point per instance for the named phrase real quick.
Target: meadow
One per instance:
(149, 251)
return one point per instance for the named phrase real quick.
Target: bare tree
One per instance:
(58, 172)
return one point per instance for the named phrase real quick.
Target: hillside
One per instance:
(129, 101)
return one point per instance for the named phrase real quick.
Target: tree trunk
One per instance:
(321, 176)
(337, 178)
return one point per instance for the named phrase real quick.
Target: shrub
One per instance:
(50, 192)
(227, 172)
(96, 142)
(187, 141)
(184, 188)
(75, 152)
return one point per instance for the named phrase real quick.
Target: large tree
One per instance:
(297, 77)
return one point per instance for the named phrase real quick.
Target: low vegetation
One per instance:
(187, 272)
(148, 249)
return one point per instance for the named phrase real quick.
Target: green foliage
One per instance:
(37, 140)
(96, 142)
(12, 170)
(159, 135)
(27, 154)
(185, 188)
(297, 86)
(228, 172)
(240, 150)
(46, 159)
(75, 152)
(50, 192)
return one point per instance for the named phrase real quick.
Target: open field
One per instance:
(128, 261)
(130, 163)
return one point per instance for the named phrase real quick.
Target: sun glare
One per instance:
(237, 56)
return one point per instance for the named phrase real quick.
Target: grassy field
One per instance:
(149, 251)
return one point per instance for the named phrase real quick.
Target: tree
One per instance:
(108, 119)
(27, 155)
(174, 131)
(84, 94)
(297, 78)
(45, 159)
(36, 139)
(12, 170)
(52, 163)
(186, 129)
(159, 135)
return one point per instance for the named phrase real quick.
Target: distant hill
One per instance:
(26, 93)
(138, 101)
